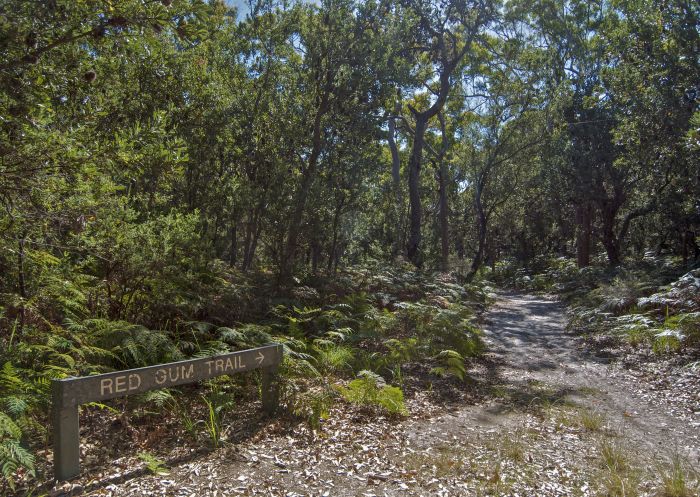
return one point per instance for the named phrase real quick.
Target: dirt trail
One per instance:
(550, 413)
(528, 335)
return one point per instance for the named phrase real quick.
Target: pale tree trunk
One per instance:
(443, 214)
(396, 181)
(481, 220)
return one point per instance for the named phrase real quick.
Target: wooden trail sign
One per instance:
(67, 394)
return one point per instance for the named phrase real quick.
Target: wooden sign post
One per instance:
(67, 394)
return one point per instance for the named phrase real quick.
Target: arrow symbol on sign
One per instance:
(260, 358)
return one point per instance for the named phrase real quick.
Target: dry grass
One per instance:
(678, 480)
(618, 477)
(591, 420)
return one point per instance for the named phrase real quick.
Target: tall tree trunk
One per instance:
(414, 161)
(233, 253)
(252, 236)
(415, 216)
(215, 235)
(459, 247)
(609, 209)
(315, 255)
(481, 221)
(256, 237)
(610, 241)
(443, 214)
(395, 158)
(336, 222)
(396, 182)
(290, 249)
(248, 241)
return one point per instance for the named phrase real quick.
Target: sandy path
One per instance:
(528, 335)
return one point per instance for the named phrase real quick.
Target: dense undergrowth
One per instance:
(347, 337)
(652, 303)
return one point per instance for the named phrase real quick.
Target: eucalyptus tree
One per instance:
(621, 76)
(652, 87)
(445, 33)
(340, 74)
(570, 34)
(502, 121)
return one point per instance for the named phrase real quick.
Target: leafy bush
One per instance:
(333, 359)
(687, 325)
(370, 389)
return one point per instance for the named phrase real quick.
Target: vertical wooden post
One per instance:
(66, 432)
(270, 389)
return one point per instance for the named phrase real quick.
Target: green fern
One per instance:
(370, 389)
(8, 427)
(13, 456)
(153, 464)
(10, 379)
(159, 398)
(450, 362)
(14, 405)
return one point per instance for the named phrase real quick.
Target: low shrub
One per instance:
(370, 389)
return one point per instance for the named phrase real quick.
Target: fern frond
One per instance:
(15, 406)
(10, 379)
(8, 427)
(230, 336)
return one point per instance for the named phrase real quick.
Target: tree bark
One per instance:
(414, 161)
(395, 158)
(252, 236)
(610, 241)
(234, 245)
(22, 284)
(481, 220)
(315, 255)
(396, 181)
(336, 222)
(443, 214)
(248, 241)
(415, 214)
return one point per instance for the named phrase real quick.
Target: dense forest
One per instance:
(348, 178)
